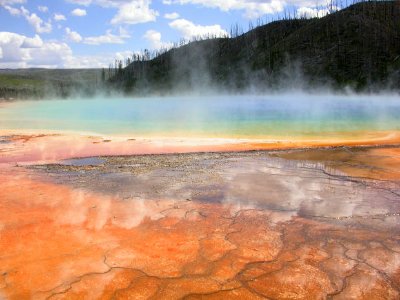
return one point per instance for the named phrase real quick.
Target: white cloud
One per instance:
(10, 45)
(94, 61)
(308, 13)
(135, 12)
(12, 10)
(81, 2)
(78, 12)
(252, 8)
(172, 16)
(39, 25)
(107, 38)
(73, 36)
(83, 62)
(124, 54)
(11, 2)
(50, 54)
(43, 9)
(33, 19)
(102, 3)
(154, 38)
(35, 42)
(189, 30)
(129, 11)
(308, 3)
(19, 51)
(59, 17)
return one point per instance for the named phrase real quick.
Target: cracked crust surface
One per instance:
(258, 225)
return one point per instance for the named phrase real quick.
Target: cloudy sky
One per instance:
(92, 33)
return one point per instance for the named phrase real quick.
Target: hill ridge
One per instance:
(355, 47)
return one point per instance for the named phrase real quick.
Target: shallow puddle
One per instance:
(81, 162)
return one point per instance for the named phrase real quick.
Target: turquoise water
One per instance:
(240, 116)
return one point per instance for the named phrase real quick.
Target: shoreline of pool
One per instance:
(50, 146)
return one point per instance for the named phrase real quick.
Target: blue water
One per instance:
(240, 116)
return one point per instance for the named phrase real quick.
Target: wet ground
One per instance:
(290, 224)
(263, 180)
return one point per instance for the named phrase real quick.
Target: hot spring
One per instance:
(222, 116)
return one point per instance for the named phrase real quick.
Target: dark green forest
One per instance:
(357, 47)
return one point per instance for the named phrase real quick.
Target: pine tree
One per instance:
(103, 75)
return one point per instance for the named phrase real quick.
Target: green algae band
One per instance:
(228, 116)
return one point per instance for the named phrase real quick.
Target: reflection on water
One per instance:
(257, 180)
(245, 116)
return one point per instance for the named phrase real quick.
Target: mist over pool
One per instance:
(219, 116)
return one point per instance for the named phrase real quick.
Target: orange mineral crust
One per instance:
(377, 163)
(295, 224)
(52, 147)
(61, 242)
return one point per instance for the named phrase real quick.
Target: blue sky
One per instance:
(92, 33)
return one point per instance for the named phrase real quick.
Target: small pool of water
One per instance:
(4, 140)
(229, 116)
(82, 162)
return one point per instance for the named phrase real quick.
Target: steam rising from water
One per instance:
(293, 114)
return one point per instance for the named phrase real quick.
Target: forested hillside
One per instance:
(357, 47)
